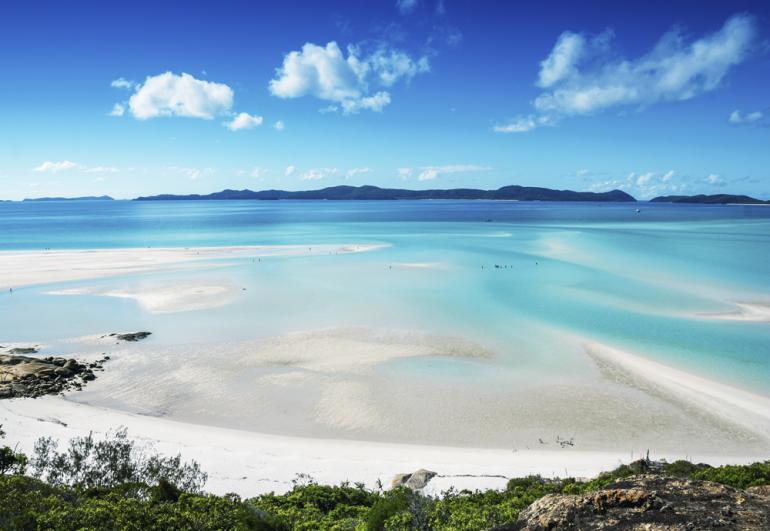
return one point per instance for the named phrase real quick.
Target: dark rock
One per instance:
(22, 376)
(133, 336)
(22, 350)
(651, 502)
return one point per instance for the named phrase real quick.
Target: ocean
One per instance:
(529, 283)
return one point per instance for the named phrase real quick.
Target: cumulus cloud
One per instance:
(645, 185)
(118, 110)
(258, 172)
(522, 124)
(641, 185)
(715, 180)
(289, 170)
(191, 173)
(375, 103)
(122, 83)
(429, 173)
(243, 121)
(55, 167)
(317, 173)
(563, 59)
(169, 94)
(279, 125)
(64, 165)
(582, 76)
(357, 171)
(406, 6)
(404, 173)
(347, 82)
(736, 118)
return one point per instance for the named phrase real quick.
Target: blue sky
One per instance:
(141, 98)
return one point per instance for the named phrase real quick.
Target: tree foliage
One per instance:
(88, 463)
(113, 484)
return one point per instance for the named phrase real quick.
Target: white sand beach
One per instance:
(25, 268)
(251, 463)
(741, 407)
(757, 313)
(164, 297)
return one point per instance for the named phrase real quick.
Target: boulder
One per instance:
(133, 336)
(22, 350)
(23, 376)
(415, 481)
(651, 502)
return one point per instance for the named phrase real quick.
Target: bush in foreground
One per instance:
(112, 484)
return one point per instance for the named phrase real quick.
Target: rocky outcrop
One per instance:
(649, 502)
(23, 350)
(132, 336)
(415, 481)
(23, 376)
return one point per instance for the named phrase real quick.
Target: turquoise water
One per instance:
(600, 272)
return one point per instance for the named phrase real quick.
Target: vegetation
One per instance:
(113, 484)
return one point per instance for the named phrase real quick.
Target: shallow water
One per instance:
(566, 273)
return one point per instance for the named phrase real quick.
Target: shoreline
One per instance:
(28, 268)
(250, 463)
(739, 406)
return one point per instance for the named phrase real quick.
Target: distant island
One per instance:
(339, 193)
(85, 198)
(717, 199)
(368, 192)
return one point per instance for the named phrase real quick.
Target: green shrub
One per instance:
(110, 484)
(738, 476)
(116, 460)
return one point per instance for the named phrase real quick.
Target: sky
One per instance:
(140, 98)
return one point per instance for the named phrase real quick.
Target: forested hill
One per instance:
(717, 199)
(519, 193)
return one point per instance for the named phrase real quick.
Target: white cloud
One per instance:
(431, 172)
(279, 125)
(169, 94)
(391, 65)
(357, 171)
(326, 73)
(404, 173)
(562, 61)
(650, 184)
(715, 180)
(258, 172)
(55, 167)
(644, 179)
(583, 77)
(406, 6)
(374, 103)
(318, 173)
(737, 118)
(582, 173)
(122, 83)
(101, 169)
(244, 121)
(191, 173)
(523, 124)
(289, 170)
(118, 110)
